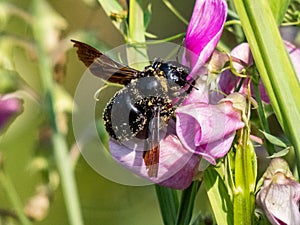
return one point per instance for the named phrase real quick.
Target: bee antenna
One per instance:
(190, 84)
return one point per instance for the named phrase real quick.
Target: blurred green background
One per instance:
(25, 145)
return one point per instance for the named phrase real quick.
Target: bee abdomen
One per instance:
(129, 112)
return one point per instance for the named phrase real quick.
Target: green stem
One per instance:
(262, 117)
(13, 197)
(232, 22)
(285, 24)
(168, 203)
(174, 37)
(239, 34)
(245, 176)
(244, 200)
(187, 201)
(175, 11)
(61, 156)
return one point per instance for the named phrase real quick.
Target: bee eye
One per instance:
(174, 76)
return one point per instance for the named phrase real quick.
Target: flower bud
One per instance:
(9, 108)
(38, 206)
(280, 194)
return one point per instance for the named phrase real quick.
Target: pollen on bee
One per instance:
(161, 73)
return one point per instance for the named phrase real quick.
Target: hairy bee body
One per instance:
(129, 112)
(145, 104)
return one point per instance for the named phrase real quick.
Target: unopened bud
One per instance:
(280, 194)
(38, 205)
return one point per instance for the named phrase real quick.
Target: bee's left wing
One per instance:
(104, 67)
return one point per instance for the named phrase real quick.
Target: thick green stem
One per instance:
(62, 159)
(243, 203)
(245, 175)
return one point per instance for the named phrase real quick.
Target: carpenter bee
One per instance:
(144, 105)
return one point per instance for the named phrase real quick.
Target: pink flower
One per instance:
(176, 164)
(208, 130)
(280, 194)
(10, 107)
(200, 129)
(203, 33)
(228, 81)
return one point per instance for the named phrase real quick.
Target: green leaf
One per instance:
(218, 196)
(274, 140)
(136, 53)
(279, 8)
(147, 15)
(281, 153)
(12, 195)
(168, 203)
(174, 10)
(112, 6)
(274, 66)
(187, 204)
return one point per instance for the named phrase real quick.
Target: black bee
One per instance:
(145, 104)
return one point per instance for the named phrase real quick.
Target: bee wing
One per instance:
(151, 159)
(152, 147)
(102, 66)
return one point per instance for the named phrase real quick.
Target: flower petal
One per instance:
(207, 130)
(9, 108)
(280, 194)
(217, 149)
(229, 81)
(243, 53)
(199, 94)
(295, 56)
(176, 164)
(203, 33)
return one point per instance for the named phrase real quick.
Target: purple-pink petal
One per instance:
(279, 195)
(294, 53)
(9, 108)
(243, 53)
(208, 130)
(176, 167)
(203, 33)
(199, 94)
(277, 202)
(228, 81)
